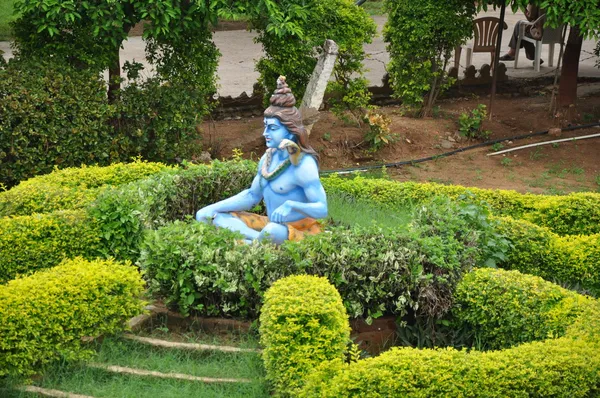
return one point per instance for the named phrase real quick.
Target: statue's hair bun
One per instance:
(283, 95)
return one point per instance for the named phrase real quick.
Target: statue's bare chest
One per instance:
(282, 185)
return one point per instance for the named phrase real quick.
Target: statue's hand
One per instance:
(282, 212)
(205, 215)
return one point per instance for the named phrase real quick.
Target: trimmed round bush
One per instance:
(45, 316)
(303, 323)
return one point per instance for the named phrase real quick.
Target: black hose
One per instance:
(360, 2)
(467, 148)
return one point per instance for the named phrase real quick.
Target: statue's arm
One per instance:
(307, 175)
(244, 200)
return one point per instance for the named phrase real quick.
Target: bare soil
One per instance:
(550, 169)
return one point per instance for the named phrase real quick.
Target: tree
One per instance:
(89, 33)
(292, 33)
(421, 38)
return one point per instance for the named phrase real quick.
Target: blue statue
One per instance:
(287, 180)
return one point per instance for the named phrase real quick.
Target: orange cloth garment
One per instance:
(296, 230)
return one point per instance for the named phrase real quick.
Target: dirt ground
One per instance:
(549, 169)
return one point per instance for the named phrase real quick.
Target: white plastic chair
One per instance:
(550, 36)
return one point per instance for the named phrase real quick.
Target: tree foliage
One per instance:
(293, 31)
(584, 14)
(89, 33)
(421, 37)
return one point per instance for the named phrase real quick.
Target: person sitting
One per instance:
(287, 180)
(532, 13)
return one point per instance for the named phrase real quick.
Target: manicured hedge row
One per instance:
(375, 271)
(558, 366)
(31, 243)
(70, 188)
(45, 316)
(509, 308)
(125, 212)
(574, 214)
(574, 260)
(216, 275)
(302, 324)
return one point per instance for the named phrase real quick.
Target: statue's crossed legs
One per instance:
(254, 226)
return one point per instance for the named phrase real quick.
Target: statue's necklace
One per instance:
(271, 175)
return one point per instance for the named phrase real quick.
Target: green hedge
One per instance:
(573, 214)
(507, 308)
(52, 114)
(125, 212)
(574, 260)
(46, 315)
(567, 366)
(70, 188)
(375, 271)
(303, 323)
(216, 275)
(31, 243)
(556, 368)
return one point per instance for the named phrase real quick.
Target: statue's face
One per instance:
(275, 132)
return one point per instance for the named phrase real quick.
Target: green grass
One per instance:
(195, 363)
(348, 211)
(191, 332)
(78, 378)
(99, 383)
(6, 16)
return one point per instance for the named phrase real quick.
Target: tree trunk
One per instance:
(567, 90)
(114, 79)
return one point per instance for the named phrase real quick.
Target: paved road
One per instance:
(239, 54)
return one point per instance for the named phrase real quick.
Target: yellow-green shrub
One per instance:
(555, 368)
(70, 188)
(507, 308)
(30, 243)
(574, 214)
(538, 251)
(45, 316)
(303, 323)
(400, 193)
(567, 366)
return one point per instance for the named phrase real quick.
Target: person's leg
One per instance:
(512, 44)
(529, 49)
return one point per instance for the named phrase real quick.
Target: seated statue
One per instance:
(287, 180)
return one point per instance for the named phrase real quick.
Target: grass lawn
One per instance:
(6, 16)
(87, 380)
(348, 211)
